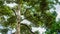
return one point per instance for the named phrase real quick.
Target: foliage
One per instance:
(4, 31)
(36, 11)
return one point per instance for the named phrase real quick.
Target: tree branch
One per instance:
(24, 24)
(28, 28)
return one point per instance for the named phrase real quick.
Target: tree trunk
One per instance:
(18, 20)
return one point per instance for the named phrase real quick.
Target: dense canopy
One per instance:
(36, 11)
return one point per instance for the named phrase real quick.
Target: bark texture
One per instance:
(18, 19)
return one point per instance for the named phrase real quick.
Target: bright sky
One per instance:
(0, 33)
(58, 11)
